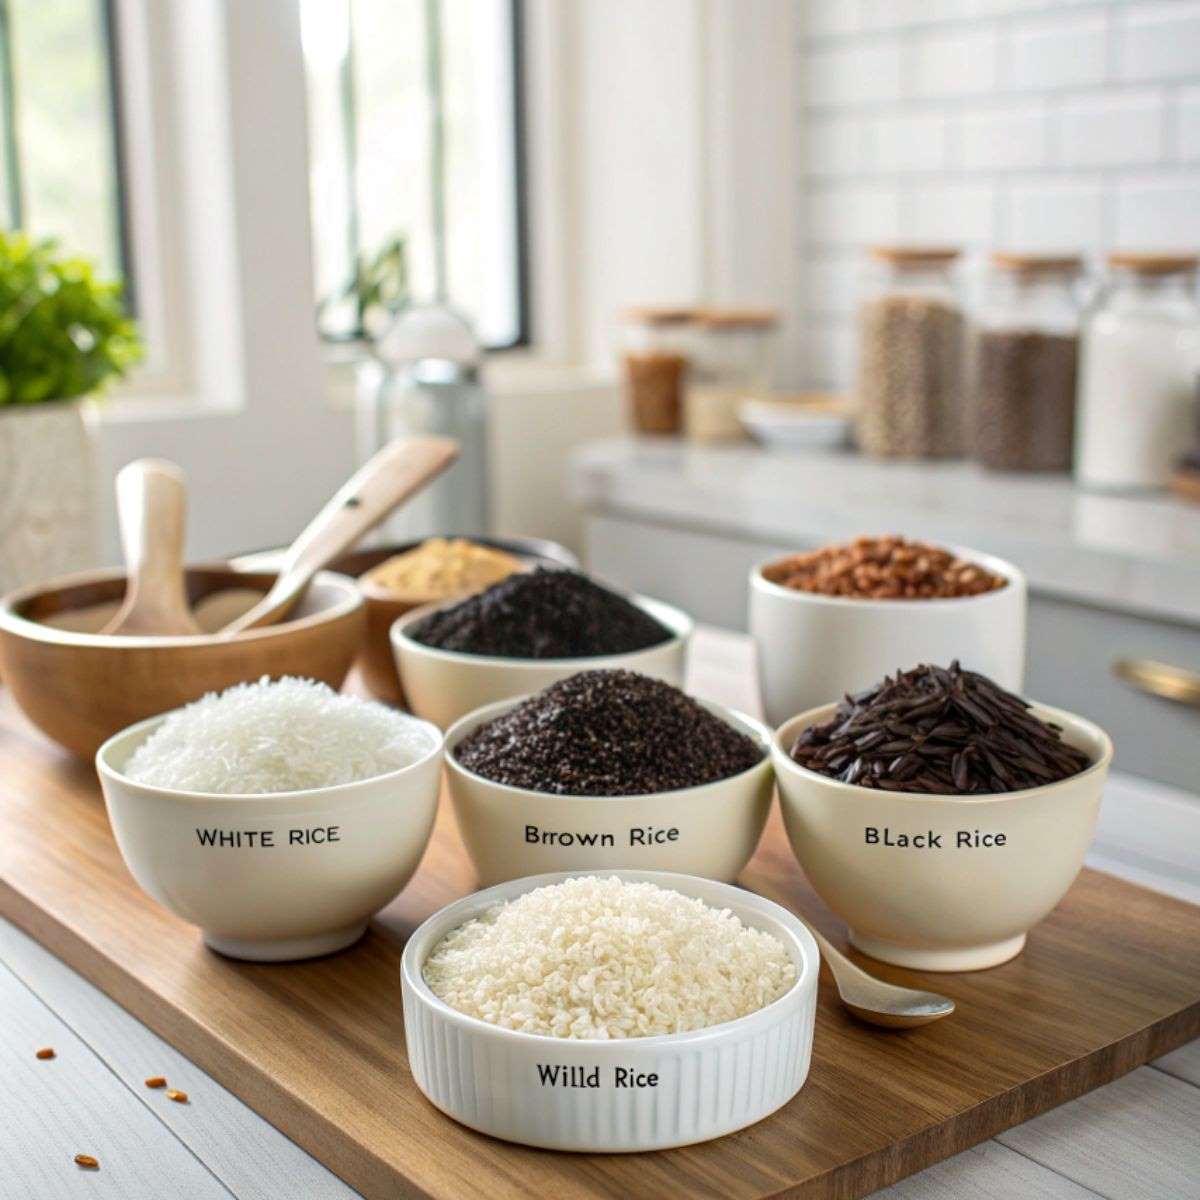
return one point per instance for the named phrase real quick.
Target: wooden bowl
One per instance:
(376, 663)
(80, 687)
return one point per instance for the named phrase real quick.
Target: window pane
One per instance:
(374, 95)
(481, 173)
(325, 26)
(64, 127)
(391, 101)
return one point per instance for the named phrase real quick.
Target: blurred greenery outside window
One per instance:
(59, 159)
(416, 162)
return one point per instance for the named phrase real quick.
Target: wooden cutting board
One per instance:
(1110, 980)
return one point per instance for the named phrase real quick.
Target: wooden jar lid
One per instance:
(1153, 264)
(736, 318)
(660, 314)
(1036, 264)
(914, 255)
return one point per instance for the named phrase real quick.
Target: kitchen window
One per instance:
(414, 138)
(59, 159)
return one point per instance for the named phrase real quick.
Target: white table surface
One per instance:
(1136, 1139)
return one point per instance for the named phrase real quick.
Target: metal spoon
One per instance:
(876, 1002)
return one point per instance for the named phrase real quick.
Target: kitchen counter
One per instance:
(1130, 554)
(1112, 579)
(1134, 1137)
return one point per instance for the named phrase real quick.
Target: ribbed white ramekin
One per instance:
(706, 1083)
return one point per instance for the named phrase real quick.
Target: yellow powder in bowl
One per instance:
(441, 568)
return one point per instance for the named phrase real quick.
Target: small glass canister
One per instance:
(1026, 350)
(733, 361)
(1139, 357)
(910, 366)
(657, 344)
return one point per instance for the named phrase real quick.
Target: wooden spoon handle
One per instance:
(400, 469)
(151, 511)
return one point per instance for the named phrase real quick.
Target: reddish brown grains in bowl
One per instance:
(883, 568)
(46, 1052)
(156, 1081)
(87, 1160)
(176, 1095)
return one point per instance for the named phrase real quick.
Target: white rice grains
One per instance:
(282, 736)
(603, 958)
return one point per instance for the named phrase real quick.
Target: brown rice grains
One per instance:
(883, 568)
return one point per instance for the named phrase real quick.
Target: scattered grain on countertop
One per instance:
(89, 1161)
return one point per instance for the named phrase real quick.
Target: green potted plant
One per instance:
(367, 303)
(64, 336)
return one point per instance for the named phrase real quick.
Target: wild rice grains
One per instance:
(604, 958)
(938, 730)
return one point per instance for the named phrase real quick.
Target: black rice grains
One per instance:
(546, 613)
(938, 730)
(607, 733)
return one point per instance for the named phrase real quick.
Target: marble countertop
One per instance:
(1136, 554)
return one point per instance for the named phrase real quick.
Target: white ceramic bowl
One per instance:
(711, 830)
(443, 685)
(811, 647)
(707, 1083)
(977, 872)
(797, 427)
(275, 877)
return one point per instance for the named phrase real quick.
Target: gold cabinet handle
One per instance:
(1160, 679)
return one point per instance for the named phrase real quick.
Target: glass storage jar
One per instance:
(424, 382)
(1139, 357)
(910, 354)
(1026, 349)
(733, 361)
(656, 346)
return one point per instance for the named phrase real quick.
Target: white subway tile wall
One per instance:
(1068, 125)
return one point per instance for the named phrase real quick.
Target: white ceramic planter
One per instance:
(444, 685)
(687, 1088)
(710, 831)
(812, 649)
(47, 493)
(941, 883)
(276, 877)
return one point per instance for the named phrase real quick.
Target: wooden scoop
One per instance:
(399, 470)
(151, 505)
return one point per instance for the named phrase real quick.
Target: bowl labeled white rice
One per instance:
(606, 958)
(284, 735)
